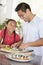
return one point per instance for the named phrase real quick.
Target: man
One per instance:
(32, 29)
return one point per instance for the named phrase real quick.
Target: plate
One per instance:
(5, 50)
(15, 50)
(9, 56)
(8, 50)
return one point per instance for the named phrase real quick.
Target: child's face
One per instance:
(11, 26)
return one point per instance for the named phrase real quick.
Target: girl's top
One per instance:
(9, 39)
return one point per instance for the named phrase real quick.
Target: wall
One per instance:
(9, 4)
(6, 9)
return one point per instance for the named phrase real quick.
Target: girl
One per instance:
(10, 37)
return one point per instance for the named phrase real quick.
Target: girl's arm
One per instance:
(17, 44)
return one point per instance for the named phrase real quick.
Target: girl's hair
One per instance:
(13, 31)
(10, 20)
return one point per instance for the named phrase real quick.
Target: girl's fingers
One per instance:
(14, 45)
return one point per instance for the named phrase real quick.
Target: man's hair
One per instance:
(22, 6)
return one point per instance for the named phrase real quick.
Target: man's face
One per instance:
(23, 15)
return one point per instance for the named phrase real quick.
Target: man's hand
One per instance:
(23, 46)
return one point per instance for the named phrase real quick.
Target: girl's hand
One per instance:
(14, 45)
(2, 46)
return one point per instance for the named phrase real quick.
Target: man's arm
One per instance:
(32, 44)
(36, 43)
